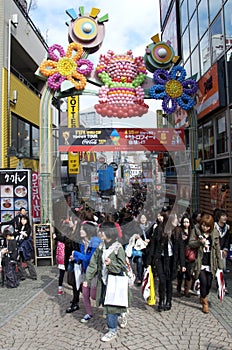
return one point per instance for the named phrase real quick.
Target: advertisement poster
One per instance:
(15, 192)
(117, 139)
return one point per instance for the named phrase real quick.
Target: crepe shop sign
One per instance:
(15, 178)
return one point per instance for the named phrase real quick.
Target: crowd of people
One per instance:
(94, 247)
(16, 250)
(181, 249)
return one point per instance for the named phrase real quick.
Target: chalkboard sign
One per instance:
(43, 242)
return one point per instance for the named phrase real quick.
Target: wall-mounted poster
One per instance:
(15, 193)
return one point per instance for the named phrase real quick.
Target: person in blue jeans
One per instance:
(108, 258)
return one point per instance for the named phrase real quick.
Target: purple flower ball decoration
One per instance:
(173, 89)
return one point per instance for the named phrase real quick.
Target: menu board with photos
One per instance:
(15, 193)
(43, 242)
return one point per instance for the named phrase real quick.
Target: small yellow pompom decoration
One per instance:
(174, 88)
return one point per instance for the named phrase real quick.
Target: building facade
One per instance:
(201, 33)
(22, 49)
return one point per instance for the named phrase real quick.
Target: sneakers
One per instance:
(60, 292)
(86, 318)
(122, 320)
(72, 308)
(109, 336)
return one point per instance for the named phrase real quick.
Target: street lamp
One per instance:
(12, 21)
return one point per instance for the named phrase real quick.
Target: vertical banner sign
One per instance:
(35, 197)
(15, 192)
(73, 122)
(73, 111)
(73, 163)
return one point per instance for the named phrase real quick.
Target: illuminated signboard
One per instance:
(211, 92)
(112, 139)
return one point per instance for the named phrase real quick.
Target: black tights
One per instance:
(61, 277)
(206, 279)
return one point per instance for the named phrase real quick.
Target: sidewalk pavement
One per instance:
(33, 317)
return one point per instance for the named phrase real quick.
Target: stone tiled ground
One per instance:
(33, 317)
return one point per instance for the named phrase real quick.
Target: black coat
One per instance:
(159, 249)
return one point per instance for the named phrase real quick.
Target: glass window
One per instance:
(217, 38)
(195, 62)
(208, 140)
(214, 7)
(200, 142)
(231, 130)
(221, 135)
(24, 138)
(35, 142)
(209, 168)
(187, 67)
(229, 72)
(205, 53)
(192, 7)
(193, 31)
(185, 45)
(228, 22)
(223, 166)
(184, 15)
(203, 17)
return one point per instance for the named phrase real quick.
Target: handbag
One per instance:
(70, 273)
(148, 286)
(190, 254)
(221, 284)
(117, 290)
(78, 275)
(130, 273)
(196, 287)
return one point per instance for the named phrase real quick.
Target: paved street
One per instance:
(33, 317)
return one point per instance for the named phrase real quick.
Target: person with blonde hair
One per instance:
(205, 238)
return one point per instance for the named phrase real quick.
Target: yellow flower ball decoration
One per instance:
(66, 66)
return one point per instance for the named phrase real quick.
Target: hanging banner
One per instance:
(73, 163)
(35, 197)
(116, 139)
(73, 111)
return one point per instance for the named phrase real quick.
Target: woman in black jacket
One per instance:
(25, 250)
(168, 253)
(68, 233)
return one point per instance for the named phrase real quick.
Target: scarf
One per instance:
(222, 230)
(106, 253)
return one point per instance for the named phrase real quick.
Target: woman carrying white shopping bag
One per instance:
(109, 263)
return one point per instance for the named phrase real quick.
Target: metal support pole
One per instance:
(45, 156)
(194, 155)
